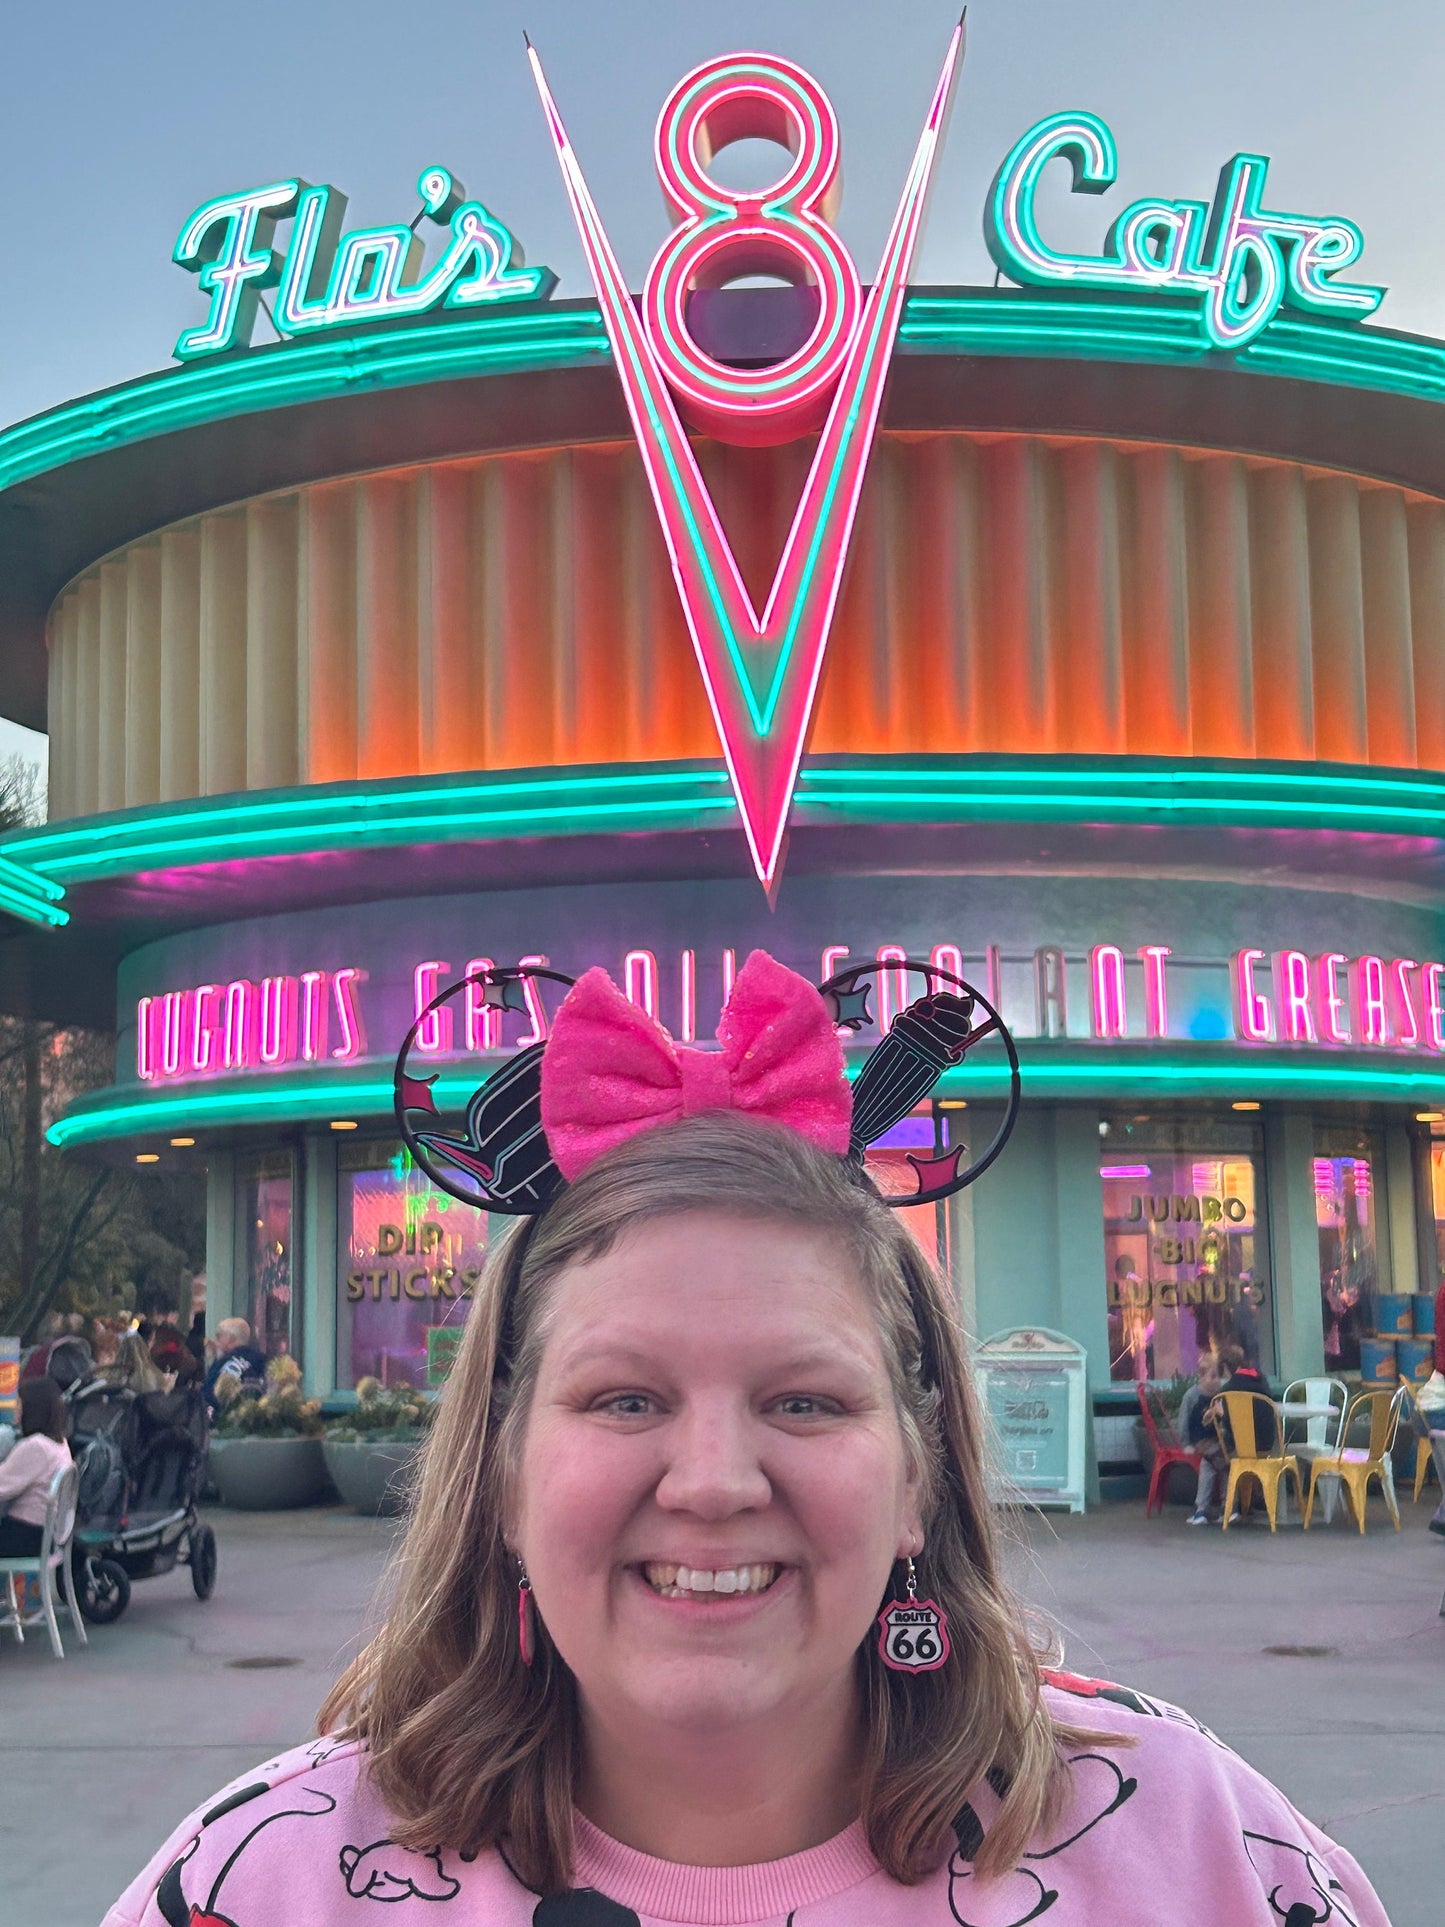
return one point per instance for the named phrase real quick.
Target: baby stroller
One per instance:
(142, 1458)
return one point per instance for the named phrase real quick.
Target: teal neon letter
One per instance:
(227, 243)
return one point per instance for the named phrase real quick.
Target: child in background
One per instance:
(1197, 1430)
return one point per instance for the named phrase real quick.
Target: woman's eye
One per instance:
(626, 1405)
(805, 1405)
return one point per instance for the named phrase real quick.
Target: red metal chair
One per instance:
(1168, 1452)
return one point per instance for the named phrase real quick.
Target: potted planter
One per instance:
(369, 1452)
(371, 1474)
(265, 1451)
(268, 1474)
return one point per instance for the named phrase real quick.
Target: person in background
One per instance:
(1243, 1377)
(30, 1466)
(196, 1338)
(236, 1357)
(173, 1357)
(134, 1368)
(1196, 1429)
(1246, 1319)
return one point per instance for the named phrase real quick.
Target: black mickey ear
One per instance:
(933, 1033)
(497, 1158)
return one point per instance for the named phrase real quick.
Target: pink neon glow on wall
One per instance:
(1253, 1018)
(1371, 1022)
(352, 1042)
(892, 984)
(835, 955)
(1108, 1005)
(1333, 1028)
(145, 1063)
(688, 1033)
(313, 1014)
(278, 1020)
(729, 972)
(435, 1032)
(483, 1021)
(1293, 988)
(760, 673)
(1407, 1017)
(205, 1017)
(1154, 957)
(238, 1048)
(639, 976)
(538, 1033)
(1435, 1006)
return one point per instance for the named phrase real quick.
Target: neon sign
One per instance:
(1399, 1005)
(1236, 259)
(294, 1018)
(327, 279)
(761, 672)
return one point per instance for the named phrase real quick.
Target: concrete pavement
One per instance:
(105, 1752)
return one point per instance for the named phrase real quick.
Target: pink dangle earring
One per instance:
(913, 1632)
(526, 1621)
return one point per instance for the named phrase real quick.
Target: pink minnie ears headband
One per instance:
(608, 1072)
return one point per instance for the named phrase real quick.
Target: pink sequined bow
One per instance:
(610, 1070)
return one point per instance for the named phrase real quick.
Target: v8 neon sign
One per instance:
(761, 672)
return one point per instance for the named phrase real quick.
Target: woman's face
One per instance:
(713, 1481)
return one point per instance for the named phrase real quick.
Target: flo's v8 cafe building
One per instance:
(1092, 647)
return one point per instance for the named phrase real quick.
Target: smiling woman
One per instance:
(711, 1423)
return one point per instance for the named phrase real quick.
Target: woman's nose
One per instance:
(714, 1468)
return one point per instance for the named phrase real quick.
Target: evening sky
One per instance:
(116, 121)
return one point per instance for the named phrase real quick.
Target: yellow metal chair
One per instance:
(1424, 1459)
(1355, 1466)
(1248, 1460)
(1420, 1425)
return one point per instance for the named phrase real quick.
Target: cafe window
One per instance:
(407, 1257)
(267, 1254)
(1346, 1166)
(1185, 1244)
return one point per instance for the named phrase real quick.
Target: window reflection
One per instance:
(1184, 1245)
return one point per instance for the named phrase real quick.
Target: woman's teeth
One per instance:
(681, 1582)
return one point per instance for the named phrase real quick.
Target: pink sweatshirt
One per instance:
(1172, 1831)
(25, 1475)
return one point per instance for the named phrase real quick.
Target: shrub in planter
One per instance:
(266, 1446)
(369, 1452)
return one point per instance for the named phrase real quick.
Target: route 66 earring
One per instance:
(913, 1632)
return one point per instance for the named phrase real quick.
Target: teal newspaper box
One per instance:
(1035, 1396)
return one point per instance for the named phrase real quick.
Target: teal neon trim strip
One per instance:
(365, 815)
(978, 321)
(32, 897)
(971, 321)
(1049, 1070)
(491, 343)
(592, 801)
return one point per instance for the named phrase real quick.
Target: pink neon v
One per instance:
(781, 652)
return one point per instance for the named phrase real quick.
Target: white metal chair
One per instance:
(53, 1557)
(1323, 1436)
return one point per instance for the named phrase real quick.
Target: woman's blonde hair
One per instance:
(134, 1367)
(469, 1748)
